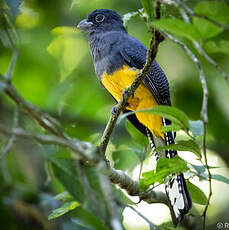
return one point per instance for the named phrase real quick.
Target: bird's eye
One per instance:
(99, 18)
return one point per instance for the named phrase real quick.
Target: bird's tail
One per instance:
(179, 199)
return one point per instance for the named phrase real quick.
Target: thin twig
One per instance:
(209, 178)
(151, 225)
(84, 150)
(154, 43)
(12, 64)
(12, 139)
(7, 148)
(44, 119)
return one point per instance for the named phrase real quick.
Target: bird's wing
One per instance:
(134, 55)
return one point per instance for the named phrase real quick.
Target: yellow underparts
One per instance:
(143, 99)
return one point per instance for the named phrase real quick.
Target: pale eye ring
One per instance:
(99, 18)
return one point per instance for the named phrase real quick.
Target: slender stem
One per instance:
(12, 139)
(204, 214)
(44, 119)
(11, 67)
(81, 149)
(151, 225)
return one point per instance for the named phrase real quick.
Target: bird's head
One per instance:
(101, 20)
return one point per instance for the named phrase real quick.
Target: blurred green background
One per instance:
(55, 72)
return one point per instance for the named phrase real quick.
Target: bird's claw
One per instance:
(113, 110)
(124, 92)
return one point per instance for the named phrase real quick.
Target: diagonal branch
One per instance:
(45, 120)
(12, 139)
(83, 150)
(151, 225)
(11, 67)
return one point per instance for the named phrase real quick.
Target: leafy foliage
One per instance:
(177, 116)
(148, 7)
(197, 194)
(196, 127)
(64, 47)
(189, 145)
(66, 207)
(178, 27)
(165, 167)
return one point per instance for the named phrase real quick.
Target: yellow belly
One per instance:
(143, 99)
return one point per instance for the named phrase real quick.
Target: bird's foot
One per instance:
(113, 110)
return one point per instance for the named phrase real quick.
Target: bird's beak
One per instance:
(84, 24)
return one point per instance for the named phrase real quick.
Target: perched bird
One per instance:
(117, 58)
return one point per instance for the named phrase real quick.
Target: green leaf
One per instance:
(165, 167)
(205, 28)
(126, 158)
(173, 127)
(64, 196)
(221, 46)
(95, 186)
(178, 27)
(65, 48)
(148, 7)
(188, 145)
(220, 178)
(178, 117)
(200, 169)
(136, 135)
(173, 165)
(197, 128)
(84, 218)
(197, 194)
(66, 207)
(65, 171)
(139, 152)
(123, 197)
(95, 138)
(217, 11)
(126, 18)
